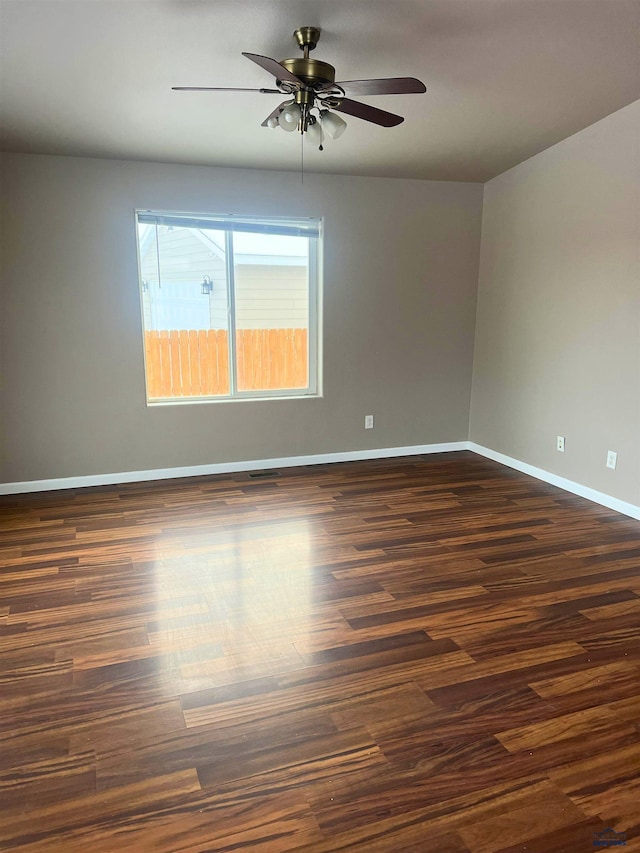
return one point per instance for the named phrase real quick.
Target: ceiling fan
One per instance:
(311, 93)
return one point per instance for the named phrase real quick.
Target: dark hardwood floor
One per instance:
(432, 654)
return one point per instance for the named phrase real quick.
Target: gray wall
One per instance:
(558, 325)
(400, 279)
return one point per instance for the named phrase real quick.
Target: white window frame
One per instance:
(299, 226)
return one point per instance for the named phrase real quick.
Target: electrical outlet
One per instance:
(368, 421)
(560, 443)
(612, 459)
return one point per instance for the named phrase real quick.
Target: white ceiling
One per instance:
(505, 79)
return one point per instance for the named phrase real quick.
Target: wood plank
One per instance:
(432, 653)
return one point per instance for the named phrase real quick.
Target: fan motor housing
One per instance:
(311, 71)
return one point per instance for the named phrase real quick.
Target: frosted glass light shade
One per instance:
(314, 134)
(289, 117)
(332, 124)
(272, 121)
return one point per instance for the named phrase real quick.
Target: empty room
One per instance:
(319, 426)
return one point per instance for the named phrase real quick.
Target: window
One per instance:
(229, 306)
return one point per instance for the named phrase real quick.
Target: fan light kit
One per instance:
(313, 98)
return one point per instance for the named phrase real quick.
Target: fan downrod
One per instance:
(312, 72)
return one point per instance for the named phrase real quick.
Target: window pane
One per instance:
(185, 310)
(271, 276)
(229, 305)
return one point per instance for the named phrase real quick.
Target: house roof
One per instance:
(261, 249)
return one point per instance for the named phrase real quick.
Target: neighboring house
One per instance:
(271, 289)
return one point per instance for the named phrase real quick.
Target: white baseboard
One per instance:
(568, 485)
(225, 468)
(320, 459)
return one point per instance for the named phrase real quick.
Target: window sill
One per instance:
(190, 401)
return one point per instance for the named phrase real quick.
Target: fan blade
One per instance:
(364, 111)
(223, 89)
(384, 86)
(273, 67)
(274, 113)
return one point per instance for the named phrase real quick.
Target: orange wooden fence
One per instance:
(195, 363)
